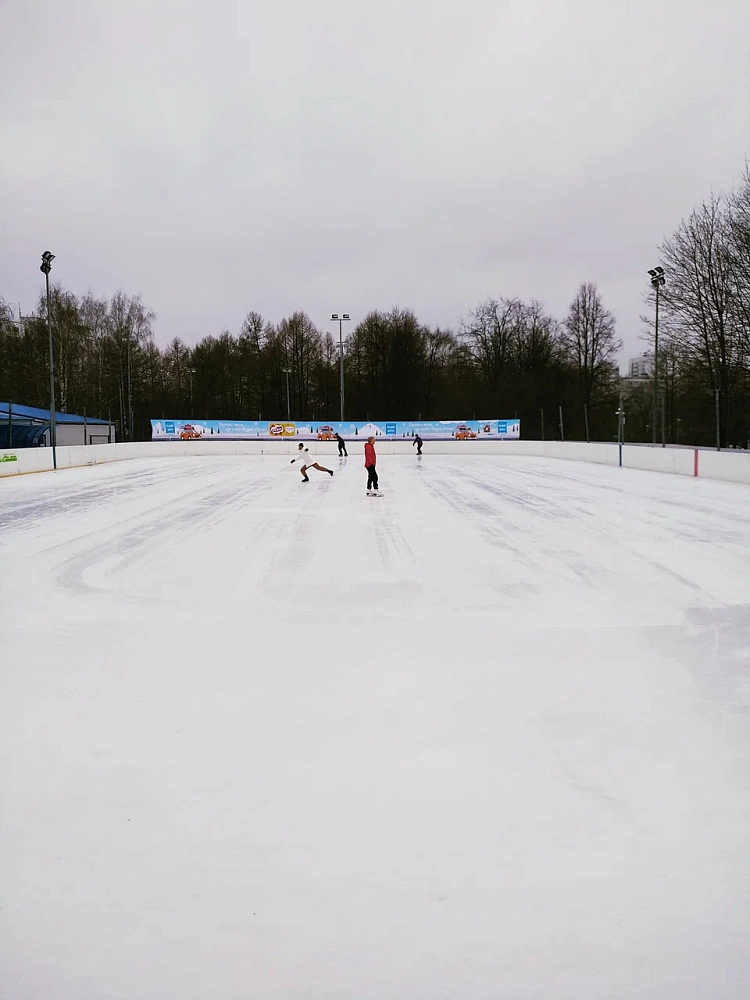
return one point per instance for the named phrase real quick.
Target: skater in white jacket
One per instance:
(304, 458)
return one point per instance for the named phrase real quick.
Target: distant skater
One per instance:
(370, 462)
(342, 447)
(304, 457)
(418, 442)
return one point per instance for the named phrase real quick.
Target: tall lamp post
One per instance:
(45, 268)
(344, 318)
(656, 275)
(620, 414)
(192, 372)
(287, 372)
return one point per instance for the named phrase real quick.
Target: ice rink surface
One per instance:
(485, 737)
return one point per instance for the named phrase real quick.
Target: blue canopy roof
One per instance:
(22, 435)
(34, 413)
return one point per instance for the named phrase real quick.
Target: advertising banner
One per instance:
(269, 430)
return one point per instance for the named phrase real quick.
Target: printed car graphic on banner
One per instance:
(242, 430)
(189, 433)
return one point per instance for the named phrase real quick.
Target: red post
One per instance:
(695, 462)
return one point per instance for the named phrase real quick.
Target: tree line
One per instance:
(704, 329)
(509, 358)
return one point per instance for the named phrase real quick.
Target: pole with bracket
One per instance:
(718, 421)
(45, 268)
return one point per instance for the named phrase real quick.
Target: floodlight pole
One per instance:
(656, 361)
(192, 372)
(130, 395)
(344, 318)
(718, 420)
(45, 268)
(620, 413)
(288, 406)
(657, 280)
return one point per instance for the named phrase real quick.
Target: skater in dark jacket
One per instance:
(418, 442)
(342, 446)
(370, 462)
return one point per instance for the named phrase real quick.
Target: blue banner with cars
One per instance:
(242, 430)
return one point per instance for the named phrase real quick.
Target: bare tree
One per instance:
(301, 343)
(489, 333)
(701, 303)
(589, 341)
(739, 255)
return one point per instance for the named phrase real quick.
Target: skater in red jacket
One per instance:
(370, 461)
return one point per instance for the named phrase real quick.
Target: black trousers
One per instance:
(372, 477)
(342, 450)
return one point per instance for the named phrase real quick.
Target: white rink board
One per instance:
(487, 736)
(730, 466)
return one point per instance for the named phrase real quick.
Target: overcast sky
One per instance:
(350, 155)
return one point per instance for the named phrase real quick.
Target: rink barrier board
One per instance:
(729, 466)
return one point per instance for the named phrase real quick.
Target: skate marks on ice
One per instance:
(434, 802)
(713, 646)
(402, 583)
(626, 534)
(285, 557)
(177, 504)
(24, 508)
(337, 550)
(144, 539)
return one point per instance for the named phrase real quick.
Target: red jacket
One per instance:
(370, 458)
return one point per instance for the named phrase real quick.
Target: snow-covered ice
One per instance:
(487, 736)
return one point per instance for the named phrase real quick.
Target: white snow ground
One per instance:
(487, 736)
